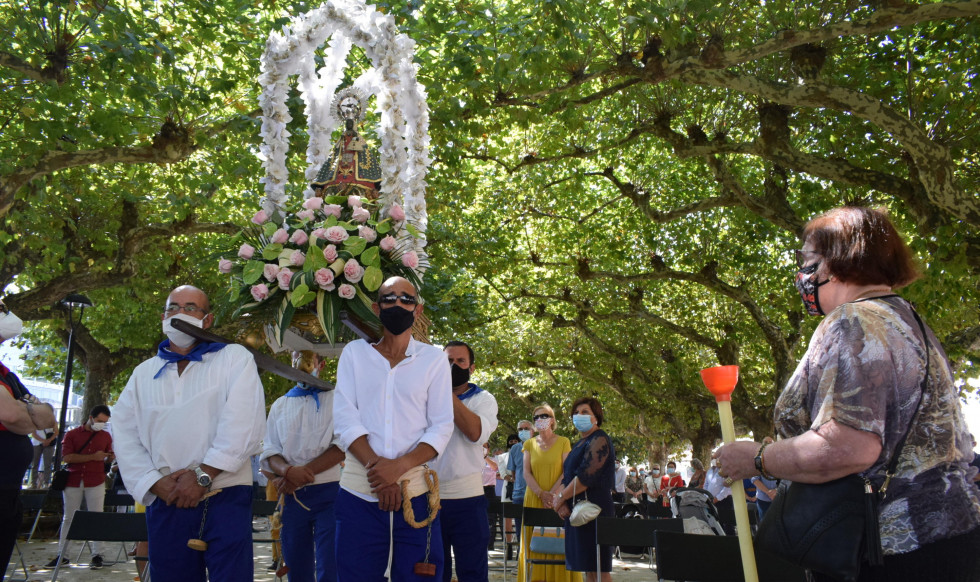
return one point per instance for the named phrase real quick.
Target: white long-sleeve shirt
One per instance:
(213, 413)
(300, 433)
(397, 408)
(460, 466)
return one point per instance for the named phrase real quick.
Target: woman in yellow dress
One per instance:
(543, 458)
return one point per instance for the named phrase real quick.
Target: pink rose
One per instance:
(360, 215)
(260, 217)
(320, 233)
(305, 215)
(347, 291)
(313, 203)
(367, 233)
(330, 253)
(336, 234)
(410, 259)
(353, 271)
(280, 236)
(396, 212)
(329, 209)
(297, 258)
(260, 292)
(246, 251)
(387, 243)
(354, 201)
(284, 277)
(270, 271)
(324, 278)
(224, 266)
(299, 237)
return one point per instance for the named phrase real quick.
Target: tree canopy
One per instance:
(614, 191)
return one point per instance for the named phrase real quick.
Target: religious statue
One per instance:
(353, 167)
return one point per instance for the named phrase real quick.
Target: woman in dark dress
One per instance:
(589, 472)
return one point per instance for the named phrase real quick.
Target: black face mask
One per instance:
(460, 375)
(397, 320)
(809, 288)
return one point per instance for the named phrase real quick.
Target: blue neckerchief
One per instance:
(195, 355)
(472, 391)
(304, 390)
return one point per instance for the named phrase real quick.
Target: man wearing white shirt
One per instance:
(186, 424)
(300, 448)
(393, 412)
(465, 530)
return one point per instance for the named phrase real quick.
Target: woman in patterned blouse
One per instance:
(854, 395)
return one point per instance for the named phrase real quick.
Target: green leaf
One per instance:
(384, 226)
(269, 228)
(373, 278)
(371, 256)
(252, 271)
(302, 295)
(314, 258)
(325, 314)
(283, 317)
(412, 230)
(271, 252)
(355, 245)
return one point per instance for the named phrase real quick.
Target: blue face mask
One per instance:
(582, 422)
(524, 434)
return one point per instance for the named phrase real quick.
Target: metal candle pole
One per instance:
(720, 381)
(69, 303)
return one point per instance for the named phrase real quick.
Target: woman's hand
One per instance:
(547, 498)
(563, 510)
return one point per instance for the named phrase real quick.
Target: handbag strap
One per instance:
(80, 449)
(893, 463)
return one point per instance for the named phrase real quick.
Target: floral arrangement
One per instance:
(401, 103)
(330, 256)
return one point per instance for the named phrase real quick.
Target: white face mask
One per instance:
(97, 426)
(178, 338)
(10, 326)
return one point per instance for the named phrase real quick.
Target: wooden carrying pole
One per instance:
(720, 381)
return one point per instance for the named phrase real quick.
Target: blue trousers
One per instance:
(227, 531)
(308, 535)
(362, 541)
(465, 537)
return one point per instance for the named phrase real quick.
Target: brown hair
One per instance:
(594, 405)
(861, 246)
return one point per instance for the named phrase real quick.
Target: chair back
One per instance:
(621, 531)
(100, 526)
(263, 508)
(705, 558)
(113, 499)
(33, 501)
(541, 517)
(511, 510)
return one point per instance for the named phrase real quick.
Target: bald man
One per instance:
(393, 412)
(186, 425)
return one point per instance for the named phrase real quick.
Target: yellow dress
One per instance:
(546, 467)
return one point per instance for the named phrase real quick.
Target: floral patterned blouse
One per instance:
(864, 369)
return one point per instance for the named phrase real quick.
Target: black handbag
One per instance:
(832, 528)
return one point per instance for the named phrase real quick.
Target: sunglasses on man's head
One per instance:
(542, 416)
(391, 298)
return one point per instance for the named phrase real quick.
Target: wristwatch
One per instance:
(203, 479)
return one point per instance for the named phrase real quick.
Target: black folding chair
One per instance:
(100, 526)
(617, 531)
(539, 517)
(33, 502)
(117, 500)
(704, 558)
(510, 511)
(726, 517)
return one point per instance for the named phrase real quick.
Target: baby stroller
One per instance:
(696, 508)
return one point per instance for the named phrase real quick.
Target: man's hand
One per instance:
(390, 498)
(299, 475)
(283, 486)
(165, 487)
(188, 493)
(384, 472)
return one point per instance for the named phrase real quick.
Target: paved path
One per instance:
(37, 553)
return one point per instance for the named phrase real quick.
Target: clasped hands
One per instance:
(295, 477)
(180, 488)
(383, 477)
(549, 499)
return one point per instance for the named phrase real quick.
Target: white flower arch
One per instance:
(404, 116)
